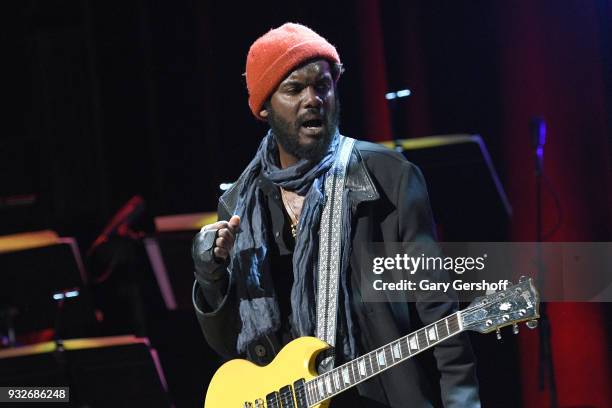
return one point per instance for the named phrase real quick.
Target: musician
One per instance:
(255, 286)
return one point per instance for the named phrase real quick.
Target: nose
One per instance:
(312, 99)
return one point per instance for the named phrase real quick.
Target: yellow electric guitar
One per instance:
(291, 380)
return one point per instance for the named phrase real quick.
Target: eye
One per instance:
(293, 89)
(324, 86)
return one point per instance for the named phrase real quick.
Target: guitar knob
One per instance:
(515, 328)
(532, 324)
(498, 333)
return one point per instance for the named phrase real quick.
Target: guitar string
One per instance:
(468, 309)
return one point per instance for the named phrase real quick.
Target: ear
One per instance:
(263, 113)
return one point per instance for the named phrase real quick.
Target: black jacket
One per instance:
(390, 204)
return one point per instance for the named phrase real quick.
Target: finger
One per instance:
(221, 253)
(225, 242)
(226, 233)
(216, 225)
(221, 243)
(234, 222)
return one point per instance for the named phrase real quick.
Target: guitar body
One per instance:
(240, 381)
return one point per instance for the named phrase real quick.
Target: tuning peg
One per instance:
(498, 333)
(532, 324)
(515, 328)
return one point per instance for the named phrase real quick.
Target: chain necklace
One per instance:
(291, 212)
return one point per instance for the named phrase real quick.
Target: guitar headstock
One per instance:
(518, 303)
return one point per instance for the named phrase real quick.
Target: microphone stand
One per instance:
(545, 362)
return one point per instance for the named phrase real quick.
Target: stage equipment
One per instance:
(101, 372)
(546, 370)
(43, 286)
(467, 197)
(169, 252)
(121, 222)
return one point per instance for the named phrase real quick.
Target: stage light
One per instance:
(66, 294)
(403, 93)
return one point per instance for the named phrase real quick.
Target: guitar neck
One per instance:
(362, 368)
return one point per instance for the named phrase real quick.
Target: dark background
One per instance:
(104, 100)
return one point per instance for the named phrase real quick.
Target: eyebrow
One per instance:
(294, 82)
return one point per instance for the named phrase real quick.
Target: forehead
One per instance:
(310, 70)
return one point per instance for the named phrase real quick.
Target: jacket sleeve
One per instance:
(454, 357)
(214, 298)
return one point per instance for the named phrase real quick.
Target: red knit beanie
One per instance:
(273, 55)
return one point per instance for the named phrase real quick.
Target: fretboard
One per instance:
(352, 373)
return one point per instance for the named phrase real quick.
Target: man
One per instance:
(256, 269)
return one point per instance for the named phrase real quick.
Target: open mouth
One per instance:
(313, 124)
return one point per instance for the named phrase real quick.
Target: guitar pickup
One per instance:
(273, 400)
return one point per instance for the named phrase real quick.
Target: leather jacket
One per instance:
(389, 203)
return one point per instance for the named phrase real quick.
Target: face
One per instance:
(303, 111)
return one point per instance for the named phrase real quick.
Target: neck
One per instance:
(362, 368)
(286, 159)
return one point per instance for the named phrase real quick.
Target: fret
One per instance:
(442, 331)
(414, 345)
(345, 375)
(353, 364)
(310, 395)
(374, 363)
(321, 392)
(422, 339)
(447, 328)
(336, 377)
(371, 371)
(382, 359)
(397, 351)
(453, 323)
(327, 382)
(388, 355)
(362, 367)
(335, 381)
(432, 336)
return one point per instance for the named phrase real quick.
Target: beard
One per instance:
(287, 134)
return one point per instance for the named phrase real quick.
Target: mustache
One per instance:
(313, 115)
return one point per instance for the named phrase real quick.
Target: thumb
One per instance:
(234, 222)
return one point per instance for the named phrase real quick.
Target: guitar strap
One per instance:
(330, 248)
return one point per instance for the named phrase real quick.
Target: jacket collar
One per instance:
(358, 182)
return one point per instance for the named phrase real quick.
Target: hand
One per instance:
(226, 235)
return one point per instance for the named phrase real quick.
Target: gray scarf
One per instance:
(259, 311)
